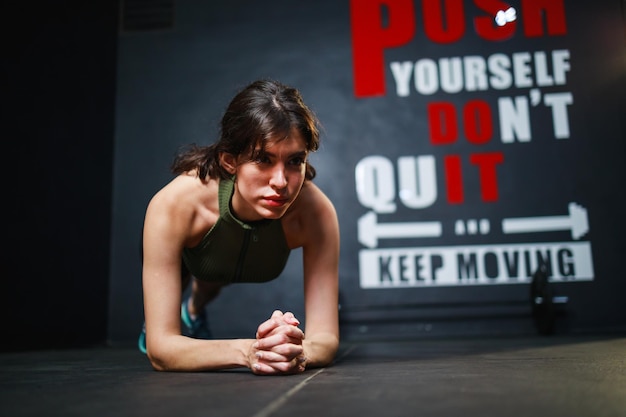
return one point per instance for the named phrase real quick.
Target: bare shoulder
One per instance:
(173, 189)
(313, 201)
(311, 215)
(186, 204)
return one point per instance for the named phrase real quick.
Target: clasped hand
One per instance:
(278, 347)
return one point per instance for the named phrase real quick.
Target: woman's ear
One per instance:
(228, 162)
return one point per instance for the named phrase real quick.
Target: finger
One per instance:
(288, 335)
(288, 350)
(288, 329)
(292, 333)
(289, 367)
(260, 368)
(278, 368)
(270, 324)
(277, 314)
(269, 356)
(301, 361)
(291, 319)
(278, 353)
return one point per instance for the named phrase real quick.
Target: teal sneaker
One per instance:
(197, 328)
(141, 343)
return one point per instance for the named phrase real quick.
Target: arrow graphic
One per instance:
(370, 231)
(576, 221)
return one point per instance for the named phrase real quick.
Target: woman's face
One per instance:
(267, 186)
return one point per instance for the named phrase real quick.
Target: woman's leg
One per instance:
(202, 293)
(193, 313)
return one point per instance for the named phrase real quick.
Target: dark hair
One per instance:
(264, 110)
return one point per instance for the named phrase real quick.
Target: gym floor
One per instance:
(573, 375)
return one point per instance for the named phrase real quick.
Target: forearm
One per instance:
(320, 349)
(184, 354)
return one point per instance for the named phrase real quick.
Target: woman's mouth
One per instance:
(276, 201)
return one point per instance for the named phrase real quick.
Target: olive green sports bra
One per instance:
(234, 251)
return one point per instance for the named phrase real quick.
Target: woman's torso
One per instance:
(230, 250)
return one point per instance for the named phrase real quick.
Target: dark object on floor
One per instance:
(544, 301)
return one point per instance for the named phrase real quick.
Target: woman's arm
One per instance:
(168, 224)
(314, 227)
(321, 281)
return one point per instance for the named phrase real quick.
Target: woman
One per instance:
(232, 214)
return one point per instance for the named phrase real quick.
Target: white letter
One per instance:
(475, 73)
(559, 102)
(426, 81)
(375, 186)
(514, 120)
(402, 75)
(521, 69)
(499, 65)
(451, 75)
(560, 65)
(541, 68)
(412, 194)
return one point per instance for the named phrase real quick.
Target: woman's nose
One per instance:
(278, 178)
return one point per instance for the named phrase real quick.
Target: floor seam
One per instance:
(277, 403)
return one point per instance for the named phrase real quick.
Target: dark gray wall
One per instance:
(174, 82)
(58, 101)
(58, 113)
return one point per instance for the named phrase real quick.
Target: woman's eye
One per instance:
(298, 161)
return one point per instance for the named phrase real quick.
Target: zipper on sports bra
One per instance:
(242, 254)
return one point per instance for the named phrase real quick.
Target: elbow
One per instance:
(158, 364)
(163, 353)
(332, 347)
(326, 360)
(332, 351)
(323, 350)
(161, 361)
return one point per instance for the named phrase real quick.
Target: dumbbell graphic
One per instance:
(575, 221)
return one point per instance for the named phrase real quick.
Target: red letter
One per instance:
(454, 178)
(487, 173)
(534, 10)
(370, 37)
(438, 30)
(442, 122)
(485, 25)
(477, 121)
